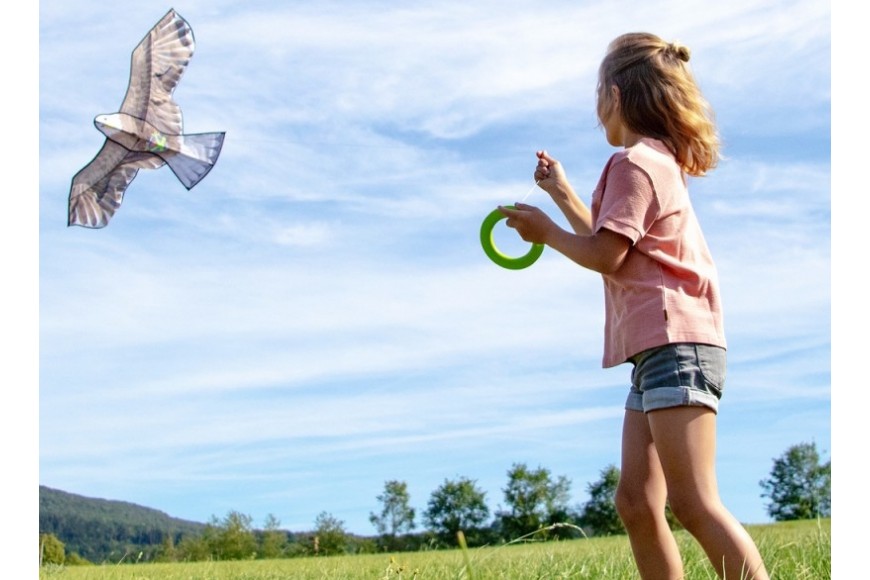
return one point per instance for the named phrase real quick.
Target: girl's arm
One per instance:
(604, 251)
(552, 179)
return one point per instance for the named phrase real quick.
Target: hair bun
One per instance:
(680, 51)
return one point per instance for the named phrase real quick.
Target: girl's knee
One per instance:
(633, 505)
(693, 512)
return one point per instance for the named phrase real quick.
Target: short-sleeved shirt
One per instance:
(667, 290)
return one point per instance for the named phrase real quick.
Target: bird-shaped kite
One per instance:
(147, 131)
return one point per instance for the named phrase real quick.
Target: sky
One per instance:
(317, 317)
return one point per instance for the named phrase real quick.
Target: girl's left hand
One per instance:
(531, 223)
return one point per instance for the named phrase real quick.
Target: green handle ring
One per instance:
(495, 255)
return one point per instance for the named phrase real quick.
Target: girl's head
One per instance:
(656, 96)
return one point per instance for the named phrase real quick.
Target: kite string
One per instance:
(530, 191)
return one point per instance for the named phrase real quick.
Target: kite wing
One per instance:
(156, 67)
(98, 189)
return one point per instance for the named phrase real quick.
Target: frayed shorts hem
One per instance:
(666, 397)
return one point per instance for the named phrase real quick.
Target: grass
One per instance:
(793, 550)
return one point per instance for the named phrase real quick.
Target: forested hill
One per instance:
(106, 530)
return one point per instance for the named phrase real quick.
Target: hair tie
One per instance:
(680, 51)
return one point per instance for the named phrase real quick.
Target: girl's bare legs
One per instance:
(685, 441)
(640, 501)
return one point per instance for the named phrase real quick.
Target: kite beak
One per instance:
(108, 124)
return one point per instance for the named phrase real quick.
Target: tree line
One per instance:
(537, 506)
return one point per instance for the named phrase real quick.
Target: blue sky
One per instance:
(317, 317)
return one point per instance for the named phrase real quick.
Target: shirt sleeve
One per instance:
(629, 204)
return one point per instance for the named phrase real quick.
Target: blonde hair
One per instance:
(659, 98)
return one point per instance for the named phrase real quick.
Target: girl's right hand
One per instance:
(550, 175)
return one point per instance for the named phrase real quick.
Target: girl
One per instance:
(662, 307)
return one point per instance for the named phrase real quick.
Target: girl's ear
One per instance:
(614, 94)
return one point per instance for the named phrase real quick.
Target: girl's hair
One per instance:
(659, 98)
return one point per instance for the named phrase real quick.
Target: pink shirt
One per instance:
(667, 289)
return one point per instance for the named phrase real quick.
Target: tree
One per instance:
(330, 536)
(194, 548)
(456, 505)
(396, 515)
(599, 513)
(535, 500)
(51, 550)
(234, 538)
(273, 541)
(167, 551)
(799, 487)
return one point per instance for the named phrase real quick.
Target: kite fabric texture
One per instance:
(147, 132)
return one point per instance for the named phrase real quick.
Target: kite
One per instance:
(147, 132)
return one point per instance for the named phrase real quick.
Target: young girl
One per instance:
(662, 307)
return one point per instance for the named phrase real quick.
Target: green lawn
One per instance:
(791, 550)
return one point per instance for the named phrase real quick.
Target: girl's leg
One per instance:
(685, 438)
(640, 501)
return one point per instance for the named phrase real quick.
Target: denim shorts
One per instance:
(677, 375)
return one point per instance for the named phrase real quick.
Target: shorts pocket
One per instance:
(712, 361)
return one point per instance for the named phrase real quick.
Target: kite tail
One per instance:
(195, 158)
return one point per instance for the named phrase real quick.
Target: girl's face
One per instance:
(608, 115)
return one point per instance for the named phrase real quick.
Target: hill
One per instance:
(101, 530)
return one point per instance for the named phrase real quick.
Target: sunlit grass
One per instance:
(793, 550)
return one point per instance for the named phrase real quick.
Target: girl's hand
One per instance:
(550, 175)
(531, 223)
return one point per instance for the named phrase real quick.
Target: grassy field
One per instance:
(792, 550)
